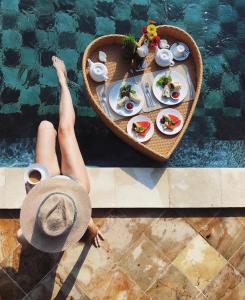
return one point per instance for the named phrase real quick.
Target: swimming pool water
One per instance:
(33, 31)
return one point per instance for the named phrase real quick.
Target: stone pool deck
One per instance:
(149, 253)
(146, 187)
(156, 254)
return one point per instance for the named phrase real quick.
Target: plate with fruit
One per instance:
(140, 128)
(126, 99)
(169, 121)
(170, 88)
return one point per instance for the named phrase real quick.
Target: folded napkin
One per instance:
(147, 77)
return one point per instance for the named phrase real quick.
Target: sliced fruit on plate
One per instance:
(170, 121)
(141, 127)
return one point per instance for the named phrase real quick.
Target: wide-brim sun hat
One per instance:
(55, 214)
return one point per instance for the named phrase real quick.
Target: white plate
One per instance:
(134, 135)
(114, 95)
(186, 53)
(170, 111)
(157, 90)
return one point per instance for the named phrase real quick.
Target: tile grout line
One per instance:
(15, 282)
(42, 279)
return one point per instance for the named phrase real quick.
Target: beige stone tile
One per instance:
(225, 234)
(121, 231)
(141, 187)
(172, 285)
(2, 178)
(233, 188)
(9, 289)
(8, 242)
(144, 262)
(27, 266)
(88, 266)
(14, 190)
(170, 235)
(228, 285)
(194, 187)
(57, 285)
(238, 259)
(122, 287)
(103, 187)
(199, 262)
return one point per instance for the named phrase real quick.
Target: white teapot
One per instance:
(164, 57)
(97, 71)
(143, 50)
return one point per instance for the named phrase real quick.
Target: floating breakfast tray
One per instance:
(160, 147)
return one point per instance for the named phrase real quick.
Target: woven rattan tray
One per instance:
(160, 147)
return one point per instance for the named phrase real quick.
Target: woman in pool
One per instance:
(72, 164)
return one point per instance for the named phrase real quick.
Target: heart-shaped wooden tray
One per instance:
(160, 147)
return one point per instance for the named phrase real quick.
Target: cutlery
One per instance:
(146, 96)
(147, 87)
(103, 101)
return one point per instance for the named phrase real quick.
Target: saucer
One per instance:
(186, 53)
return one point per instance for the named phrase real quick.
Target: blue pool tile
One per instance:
(214, 99)
(9, 5)
(230, 82)
(226, 14)
(65, 22)
(82, 40)
(70, 57)
(11, 108)
(104, 26)
(11, 39)
(122, 10)
(26, 21)
(47, 39)
(28, 56)
(232, 112)
(11, 77)
(30, 96)
(48, 77)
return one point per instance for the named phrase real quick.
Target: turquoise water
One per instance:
(33, 31)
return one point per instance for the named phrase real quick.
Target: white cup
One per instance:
(35, 173)
(180, 50)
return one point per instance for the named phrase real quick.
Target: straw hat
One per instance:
(55, 214)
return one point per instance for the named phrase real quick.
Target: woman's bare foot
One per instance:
(60, 69)
(94, 234)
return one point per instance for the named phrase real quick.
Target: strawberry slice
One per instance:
(174, 119)
(141, 127)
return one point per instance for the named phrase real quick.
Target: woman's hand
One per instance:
(94, 234)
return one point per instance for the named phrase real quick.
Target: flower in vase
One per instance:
(155, 41)
(151, 28)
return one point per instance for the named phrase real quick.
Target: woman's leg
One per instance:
(45, 147)
(72, 162)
